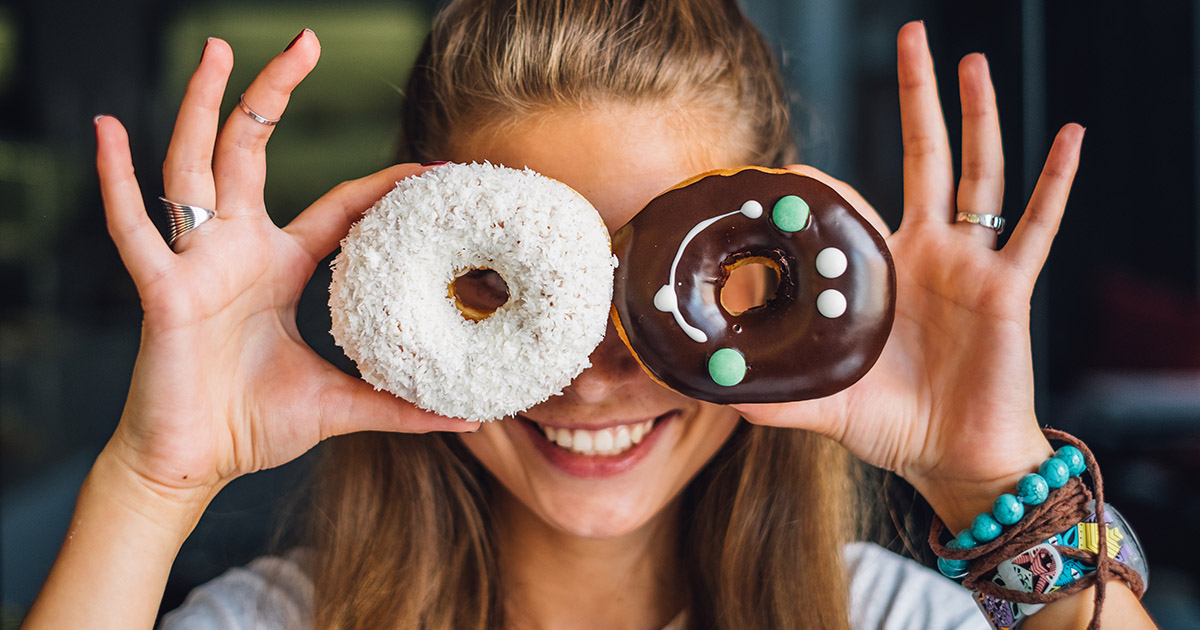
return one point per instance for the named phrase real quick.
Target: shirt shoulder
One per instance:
(890, 592)
(270, 593)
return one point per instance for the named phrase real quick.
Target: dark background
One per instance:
(1116, 314)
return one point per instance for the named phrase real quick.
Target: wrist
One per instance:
(175, 509)
(957, 501)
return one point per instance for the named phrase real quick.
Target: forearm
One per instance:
(118, 552)
(1121, 610)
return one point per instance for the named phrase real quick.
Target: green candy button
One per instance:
(727, 367)
(790, 214)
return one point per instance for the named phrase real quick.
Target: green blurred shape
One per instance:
(343, 120)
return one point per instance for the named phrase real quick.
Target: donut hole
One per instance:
(478, 293)
(751, 283)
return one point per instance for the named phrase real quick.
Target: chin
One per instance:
(600, 515)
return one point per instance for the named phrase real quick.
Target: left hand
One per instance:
(949, 404)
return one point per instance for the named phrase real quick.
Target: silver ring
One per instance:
(249, 112)
(994, 221)
(184, 218)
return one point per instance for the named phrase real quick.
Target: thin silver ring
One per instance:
(994, 221)
(184, 218)
(250, 112)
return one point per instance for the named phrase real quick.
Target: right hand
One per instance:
(223, 384)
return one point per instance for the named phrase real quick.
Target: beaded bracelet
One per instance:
(1032, 489)
(1049, 540)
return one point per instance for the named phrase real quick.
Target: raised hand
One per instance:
(949, 405)
(224, 384)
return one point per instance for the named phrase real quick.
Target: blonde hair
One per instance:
(487, 63)
(401, 522)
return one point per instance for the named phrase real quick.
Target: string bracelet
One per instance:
(1050, 539)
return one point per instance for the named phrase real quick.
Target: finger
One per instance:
(1030, 243)
(981, 188)
(324, 224)
(808, 415)
(350, 405)
(240, 163)
(142, 248)
(187, 171)
(928, 171)
(848, 193)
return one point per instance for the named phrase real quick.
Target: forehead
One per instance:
(617, 156)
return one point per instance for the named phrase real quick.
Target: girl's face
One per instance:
(618, 157)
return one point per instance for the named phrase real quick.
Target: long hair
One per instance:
(401, 522)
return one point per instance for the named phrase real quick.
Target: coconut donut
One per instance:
(820, 332)
(397, 312)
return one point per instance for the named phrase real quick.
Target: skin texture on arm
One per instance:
(114, 563)
(1121, 610)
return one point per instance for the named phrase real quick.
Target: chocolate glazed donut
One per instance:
(819, 333)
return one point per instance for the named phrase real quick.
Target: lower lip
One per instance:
(595, 466)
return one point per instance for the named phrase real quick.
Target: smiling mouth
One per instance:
(607, 441)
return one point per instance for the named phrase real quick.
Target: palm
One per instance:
(938, 373)
(224, 384)
(951, 398)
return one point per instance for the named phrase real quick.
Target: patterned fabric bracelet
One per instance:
(1044, 569)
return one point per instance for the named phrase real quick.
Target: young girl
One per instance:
(735, 517)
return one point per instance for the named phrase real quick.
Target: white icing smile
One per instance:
(607, 441)
(666, 299)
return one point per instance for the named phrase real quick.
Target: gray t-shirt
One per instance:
(887, 592)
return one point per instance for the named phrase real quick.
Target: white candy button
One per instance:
(831, 262)
(831, 303)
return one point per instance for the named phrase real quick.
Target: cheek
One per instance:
(493, 449)
(715, 424)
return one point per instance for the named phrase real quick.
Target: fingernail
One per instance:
(205, 49)
(96, 120)
(436, 163)
(296, 39)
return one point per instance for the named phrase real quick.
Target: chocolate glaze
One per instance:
(792, 351)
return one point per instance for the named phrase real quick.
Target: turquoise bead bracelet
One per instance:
(1008, 509)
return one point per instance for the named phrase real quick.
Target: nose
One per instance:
(613, 367)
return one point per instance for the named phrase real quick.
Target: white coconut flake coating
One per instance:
(393, 313)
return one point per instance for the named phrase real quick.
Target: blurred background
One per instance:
(1116, 314)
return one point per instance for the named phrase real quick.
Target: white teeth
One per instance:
(581, 442)
(604, 441)
(623, 440)
(608, 441)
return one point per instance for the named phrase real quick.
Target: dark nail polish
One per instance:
(436, 163)
(296, 39)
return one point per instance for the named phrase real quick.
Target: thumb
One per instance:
(809, 415)
(349, 405)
